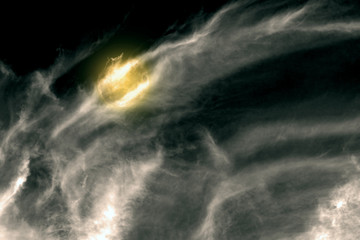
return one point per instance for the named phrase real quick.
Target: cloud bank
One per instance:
(226, 144)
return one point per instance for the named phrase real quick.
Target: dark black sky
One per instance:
(33, 34)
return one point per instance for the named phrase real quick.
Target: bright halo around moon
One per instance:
(123, 84)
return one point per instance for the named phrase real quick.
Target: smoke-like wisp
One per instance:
(195, 168)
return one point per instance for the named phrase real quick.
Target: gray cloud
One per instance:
(74, 169)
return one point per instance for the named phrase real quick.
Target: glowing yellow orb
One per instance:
(123, 84)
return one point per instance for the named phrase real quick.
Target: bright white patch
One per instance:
(338, 218)
(110, 212)
(132, 95)
(323, 236)
(8, 196)
(340, 204)
(19, 182)
(119, 73)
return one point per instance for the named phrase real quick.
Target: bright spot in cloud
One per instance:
(7, 197)
(19, 182)
(103, 235)
(340, 204)
(110, 212)
(120, 72)
(323, 236)
(123, 84)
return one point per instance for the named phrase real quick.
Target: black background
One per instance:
(33, 35)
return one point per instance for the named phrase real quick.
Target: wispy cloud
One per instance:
(78, 170)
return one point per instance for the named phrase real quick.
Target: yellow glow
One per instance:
(132, 95)
(123, 84)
